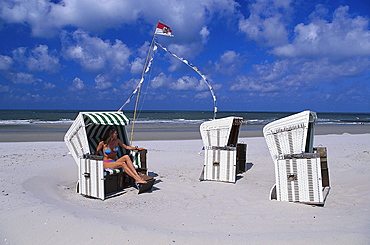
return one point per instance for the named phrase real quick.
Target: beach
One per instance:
(39, 204)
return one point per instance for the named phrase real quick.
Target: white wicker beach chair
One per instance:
(301, 171)
(83, 137)
(224, 157)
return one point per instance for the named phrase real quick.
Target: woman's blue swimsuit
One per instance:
(109, 151)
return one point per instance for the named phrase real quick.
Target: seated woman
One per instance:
(110, 146)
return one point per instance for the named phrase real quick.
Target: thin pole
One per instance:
(139, 90)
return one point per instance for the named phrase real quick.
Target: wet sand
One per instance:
(56, 132)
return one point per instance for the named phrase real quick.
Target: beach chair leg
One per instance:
(201, 177)
(78, 187)
(273, 195)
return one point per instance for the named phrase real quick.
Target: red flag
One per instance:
(162, 29)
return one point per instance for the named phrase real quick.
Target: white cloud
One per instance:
(94, 54)
(229, 63)
(253, 84)
(130, 85)
(48, 85)
(159, 81)
(41, 60)
(188, 83)
(19, 54)
(182, 83)
(266, 23)
(6, 62)
(324, 71)
(269, 78)
(4, 89)
(204, 33)
(137, 65)
(34, 97)
(35, 13)
(102, 83)
(38, 59)
(77, 84)
(321, 52)
(298, 74)
(143, 50)
(22, 78)
(181, 51)
(185, 83)
(46, 17)
(344, 37)
(203, 95)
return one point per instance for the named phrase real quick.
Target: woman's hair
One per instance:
(108, 135)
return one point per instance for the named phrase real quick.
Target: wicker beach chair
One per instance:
(301, 171)
(82, 139)
(224, 157)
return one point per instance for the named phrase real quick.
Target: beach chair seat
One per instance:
(82, 139)
(224, 157)
(301, 171)
(110, 171)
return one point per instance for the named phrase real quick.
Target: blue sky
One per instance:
(262, 55)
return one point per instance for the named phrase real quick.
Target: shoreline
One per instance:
(151, 132)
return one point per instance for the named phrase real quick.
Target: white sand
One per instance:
(39, 204)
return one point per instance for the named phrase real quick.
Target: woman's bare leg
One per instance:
(124, 163)
(133, 174)
(130, 167)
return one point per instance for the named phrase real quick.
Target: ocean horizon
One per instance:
(19, 117)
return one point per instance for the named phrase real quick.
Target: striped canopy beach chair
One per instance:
(301, 171)
(82, 139)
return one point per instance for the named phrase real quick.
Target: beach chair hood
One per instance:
(221, 132)
(89, 128)
(297, 129)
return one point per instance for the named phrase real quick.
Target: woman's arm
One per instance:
(99, 148)
(129, 147)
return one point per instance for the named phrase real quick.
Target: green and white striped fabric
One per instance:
(106, 118)
(135, 157)
(97, 125)
(109, 171)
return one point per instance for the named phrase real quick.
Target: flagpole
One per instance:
(139, 89)
(161, 29)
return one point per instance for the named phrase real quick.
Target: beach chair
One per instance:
(224, 157)
(301, 171)
(83, 137)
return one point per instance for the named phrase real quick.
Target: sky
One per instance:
(262, 55)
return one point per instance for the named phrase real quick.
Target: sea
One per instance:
(19, 117)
